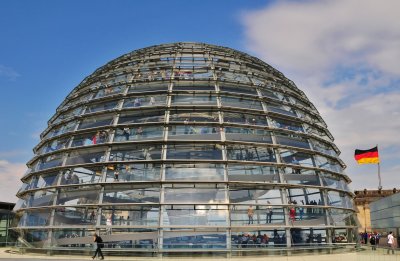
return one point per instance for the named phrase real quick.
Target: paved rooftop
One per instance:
(365, 255)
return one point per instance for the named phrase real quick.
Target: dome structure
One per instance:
(186, 146)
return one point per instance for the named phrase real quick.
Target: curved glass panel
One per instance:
(136, 152)
(108, 91)
(250, 153)
(193, 132)
(190, 86)
(241, 102)
(245, 118)
(146, 87)
(241, 172)
(91, 138)
(195, 151)
(143, 101)
(143, 215)
(85, 156)
(81, 175)
(142, 117)
(130, 194)
(199, 171)
(132, 172)
(195, 215)
(98, 121)
(247, 134)
(102, 106)
(139, 133)
(194, 99)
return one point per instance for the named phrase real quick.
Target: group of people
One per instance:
(246, 239)
(137, 102)
(137, 132)
(374, 238)
(268, 214)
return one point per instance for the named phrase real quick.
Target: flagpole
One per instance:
(379, 173)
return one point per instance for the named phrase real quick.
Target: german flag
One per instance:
(370, 156)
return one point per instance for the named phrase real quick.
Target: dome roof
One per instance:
(186, 145)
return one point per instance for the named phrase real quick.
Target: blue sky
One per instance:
(342, 54)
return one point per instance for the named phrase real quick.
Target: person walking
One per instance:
(99, 244)
(390, 242)
(372, 241)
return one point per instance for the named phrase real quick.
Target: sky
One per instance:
(344, 54)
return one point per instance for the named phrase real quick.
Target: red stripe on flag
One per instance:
(367, 155)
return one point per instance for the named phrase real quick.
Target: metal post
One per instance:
(379, 176)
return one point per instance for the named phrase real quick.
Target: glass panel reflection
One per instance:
(92, 138)
(241, 102)
(50, 161)
(131, 194)
(259, 238)
(42, 198)
(194, 172)
(136, 152)
(255, 196)
(147, 87)
(245, 118)
(142, 101)
(97, 121)
(250, 153)
(195, 151)
(194, 132)
(73, 216)
(81, 175)
(139, 133)
(247, 134)
(195, 194)
(143, 215)
(253, 173)
(71, 196)
(252, 215)
(195, 215)
(85, 156)
(142, 117)
(33, 218)
(188, 116)
(132, 172)
(103, 106)
(194, 99)
(189, 239)
(339, 199)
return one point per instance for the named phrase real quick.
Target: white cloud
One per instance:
(8, 73)
(344, 54)
(10, 175)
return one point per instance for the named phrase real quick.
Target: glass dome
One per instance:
(186, 146)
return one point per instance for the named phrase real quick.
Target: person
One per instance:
(372, 241)
(139, 132)
(137, 102)
(152, 101)
(292, 214)
(126, 132)
(390, 242)
(295, 170)
(92, 215)
(99, 244)
(116, 175)
(109, 224)
(269, 213)
(301, 212)
(250, 214)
